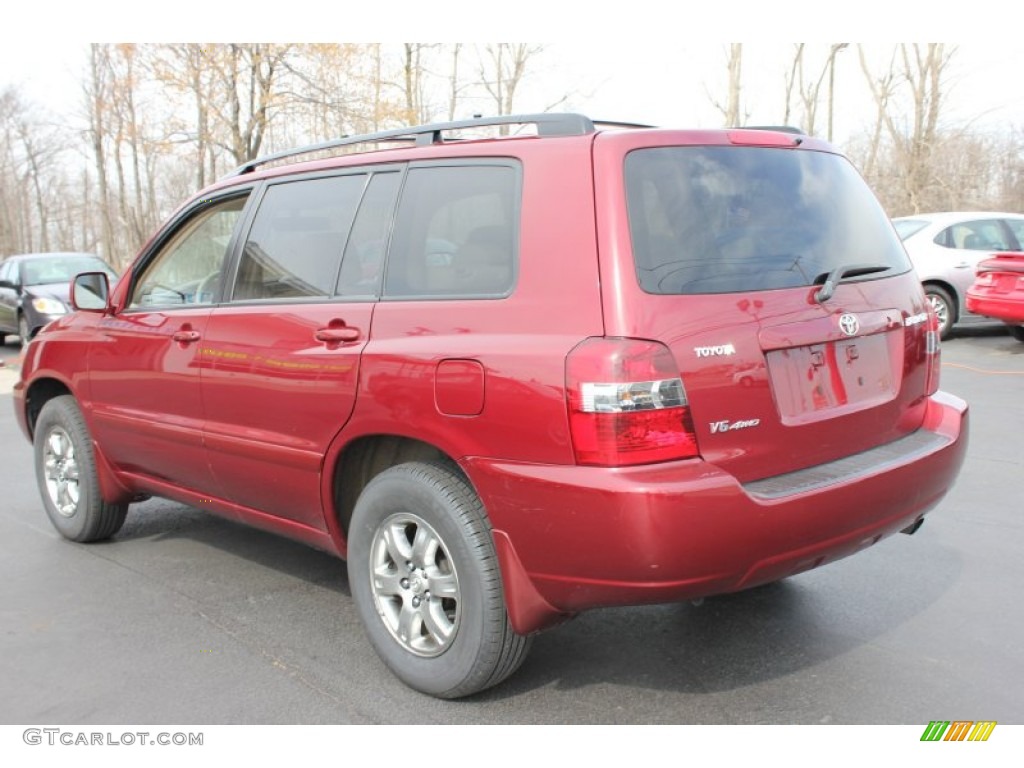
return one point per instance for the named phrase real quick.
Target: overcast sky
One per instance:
(655, 62)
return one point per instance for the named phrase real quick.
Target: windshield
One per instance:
(60, 269)
(906, 227)
(730, 219)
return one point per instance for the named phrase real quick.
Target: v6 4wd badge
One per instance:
(726, 426)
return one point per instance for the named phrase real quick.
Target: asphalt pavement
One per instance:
(186, 618)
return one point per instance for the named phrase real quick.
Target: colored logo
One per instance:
(958, 730)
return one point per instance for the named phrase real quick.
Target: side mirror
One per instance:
(8, 284)
(90, 292)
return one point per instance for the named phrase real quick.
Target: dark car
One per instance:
(512, 378)
(34, 289)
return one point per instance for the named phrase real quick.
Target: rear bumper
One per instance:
(572, 538)
(1006, 307)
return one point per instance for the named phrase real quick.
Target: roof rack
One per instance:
(548, 124)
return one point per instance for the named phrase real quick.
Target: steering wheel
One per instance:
(206, 284)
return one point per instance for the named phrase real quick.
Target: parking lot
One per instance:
(185, 618)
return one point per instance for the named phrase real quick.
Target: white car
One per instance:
(946, 248)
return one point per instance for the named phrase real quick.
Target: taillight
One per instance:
(627, 404)
(932, 352)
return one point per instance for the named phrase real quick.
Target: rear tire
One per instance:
(426, 583)
(66, 474)
(944, 307)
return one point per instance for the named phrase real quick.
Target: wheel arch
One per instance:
(365, 457)
(44, 389)
(949, 288)
(38, 394)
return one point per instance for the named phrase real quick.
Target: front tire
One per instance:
(944, 307)
(426, 583)
(66, 474)
(23, 330)
(1017, 331)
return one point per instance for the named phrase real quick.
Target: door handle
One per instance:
(185, 337)
(337, 334)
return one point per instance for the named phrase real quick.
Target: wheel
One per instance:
(944, 307)
(1017, 331)
(66, 473)
(23, 330)
(425, 580)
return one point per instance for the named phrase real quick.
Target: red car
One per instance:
(998, 291)
(511, 378)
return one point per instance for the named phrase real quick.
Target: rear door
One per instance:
(281, 354)
(725, 250)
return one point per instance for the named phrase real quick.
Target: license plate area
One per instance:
(825, 380)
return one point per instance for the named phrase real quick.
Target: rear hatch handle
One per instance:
(837, 275)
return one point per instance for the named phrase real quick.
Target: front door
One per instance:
(144, 368)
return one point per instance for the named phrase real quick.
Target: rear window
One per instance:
(731, 219)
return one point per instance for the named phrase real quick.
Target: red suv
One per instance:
(509, 378)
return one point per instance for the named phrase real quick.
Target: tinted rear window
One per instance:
(731, 219)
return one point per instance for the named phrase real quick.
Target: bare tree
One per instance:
(244, 95)
(911, 123)
(503, 67)
(809, 90)
(731, 110)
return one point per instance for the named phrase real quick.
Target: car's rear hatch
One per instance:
(775, 279)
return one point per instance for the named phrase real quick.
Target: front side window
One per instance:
(456, 233)
(187, 269)
(732, 219)
(294, 247)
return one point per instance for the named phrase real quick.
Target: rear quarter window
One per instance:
(733, 219)
(456, 233)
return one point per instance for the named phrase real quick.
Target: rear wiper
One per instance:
(836, 276)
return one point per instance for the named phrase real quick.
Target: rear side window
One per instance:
(978, 235)
(455, 233)
(296, 240)
(732, 219)
(1017, 228)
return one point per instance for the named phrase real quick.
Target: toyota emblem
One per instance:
(849, 324)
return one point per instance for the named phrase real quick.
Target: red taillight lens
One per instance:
(627, 404)
(932, 352)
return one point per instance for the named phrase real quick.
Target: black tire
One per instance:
(944, 307)
(66, 475)
(1017, 331)
(446, 646)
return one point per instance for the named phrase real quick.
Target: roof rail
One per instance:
(548, 124)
